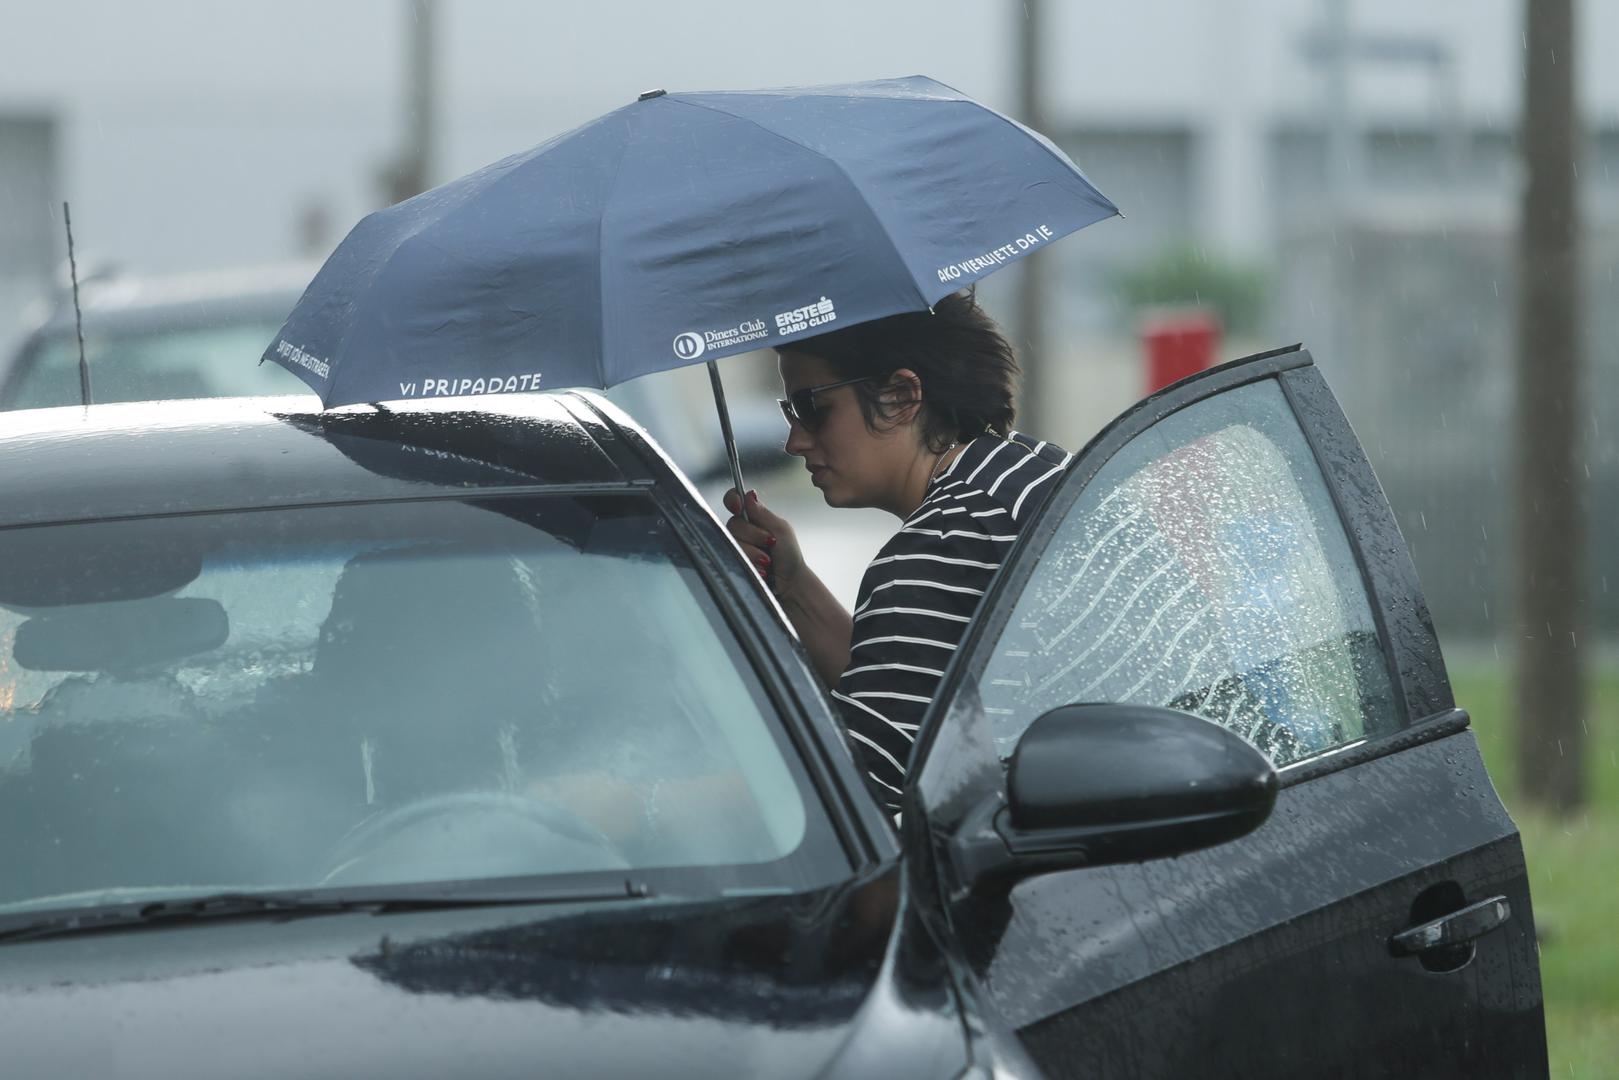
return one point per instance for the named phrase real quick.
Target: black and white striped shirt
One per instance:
(921, 590)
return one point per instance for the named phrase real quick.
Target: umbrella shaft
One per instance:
(730, 439)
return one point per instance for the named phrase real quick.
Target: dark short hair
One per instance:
(967, 367)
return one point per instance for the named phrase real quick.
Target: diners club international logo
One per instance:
(690, 345)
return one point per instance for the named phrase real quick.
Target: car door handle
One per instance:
(1457, 928)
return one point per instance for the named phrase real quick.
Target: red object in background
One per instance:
(1179, 344)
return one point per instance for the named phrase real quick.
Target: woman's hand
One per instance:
(823, 625)
(769, 542)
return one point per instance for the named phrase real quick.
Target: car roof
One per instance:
(140, 458)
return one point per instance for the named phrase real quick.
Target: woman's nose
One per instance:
(799, 441)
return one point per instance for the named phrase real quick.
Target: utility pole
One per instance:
(1031, 307)
(1343, 140)
(1550, 485)
(1332, 45)
(412, 169)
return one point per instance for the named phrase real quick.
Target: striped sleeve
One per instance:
(914, 605)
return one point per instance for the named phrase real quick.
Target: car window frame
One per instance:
(1407, 640)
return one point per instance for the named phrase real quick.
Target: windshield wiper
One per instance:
(292, 904)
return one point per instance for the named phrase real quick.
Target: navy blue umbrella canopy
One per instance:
(676, 230)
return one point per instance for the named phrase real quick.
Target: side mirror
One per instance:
(1091, 785)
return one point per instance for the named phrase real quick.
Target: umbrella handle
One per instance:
(730, 439)
(736, 461)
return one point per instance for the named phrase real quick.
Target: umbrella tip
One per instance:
(650, 94)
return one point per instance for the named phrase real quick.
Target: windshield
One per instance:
(189, 362)
(382, 694)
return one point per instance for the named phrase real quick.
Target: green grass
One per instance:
(1573, 871)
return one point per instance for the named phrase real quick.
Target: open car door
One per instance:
(1224, 549)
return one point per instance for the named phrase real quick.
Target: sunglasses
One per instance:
(800, 406)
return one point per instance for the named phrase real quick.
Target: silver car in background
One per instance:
(152, 337)
(199, 335)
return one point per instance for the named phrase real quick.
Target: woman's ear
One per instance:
(902, 396)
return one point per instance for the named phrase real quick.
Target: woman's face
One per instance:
(850, 464)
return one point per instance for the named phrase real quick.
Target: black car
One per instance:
(452, 741)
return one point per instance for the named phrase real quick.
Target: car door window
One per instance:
(1204, 568)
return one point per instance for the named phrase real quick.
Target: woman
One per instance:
(912, 414)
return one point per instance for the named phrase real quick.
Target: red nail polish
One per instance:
(753, 496)
(770, 541)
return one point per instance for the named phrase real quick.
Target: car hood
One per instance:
(839, 982)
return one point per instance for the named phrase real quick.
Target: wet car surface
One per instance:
(689, 989)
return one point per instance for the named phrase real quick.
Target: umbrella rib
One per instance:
(882, 225)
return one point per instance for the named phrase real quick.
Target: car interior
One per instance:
(393, 713)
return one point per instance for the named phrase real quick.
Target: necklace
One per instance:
(937, 465)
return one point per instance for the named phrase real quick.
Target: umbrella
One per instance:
(680, 229)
